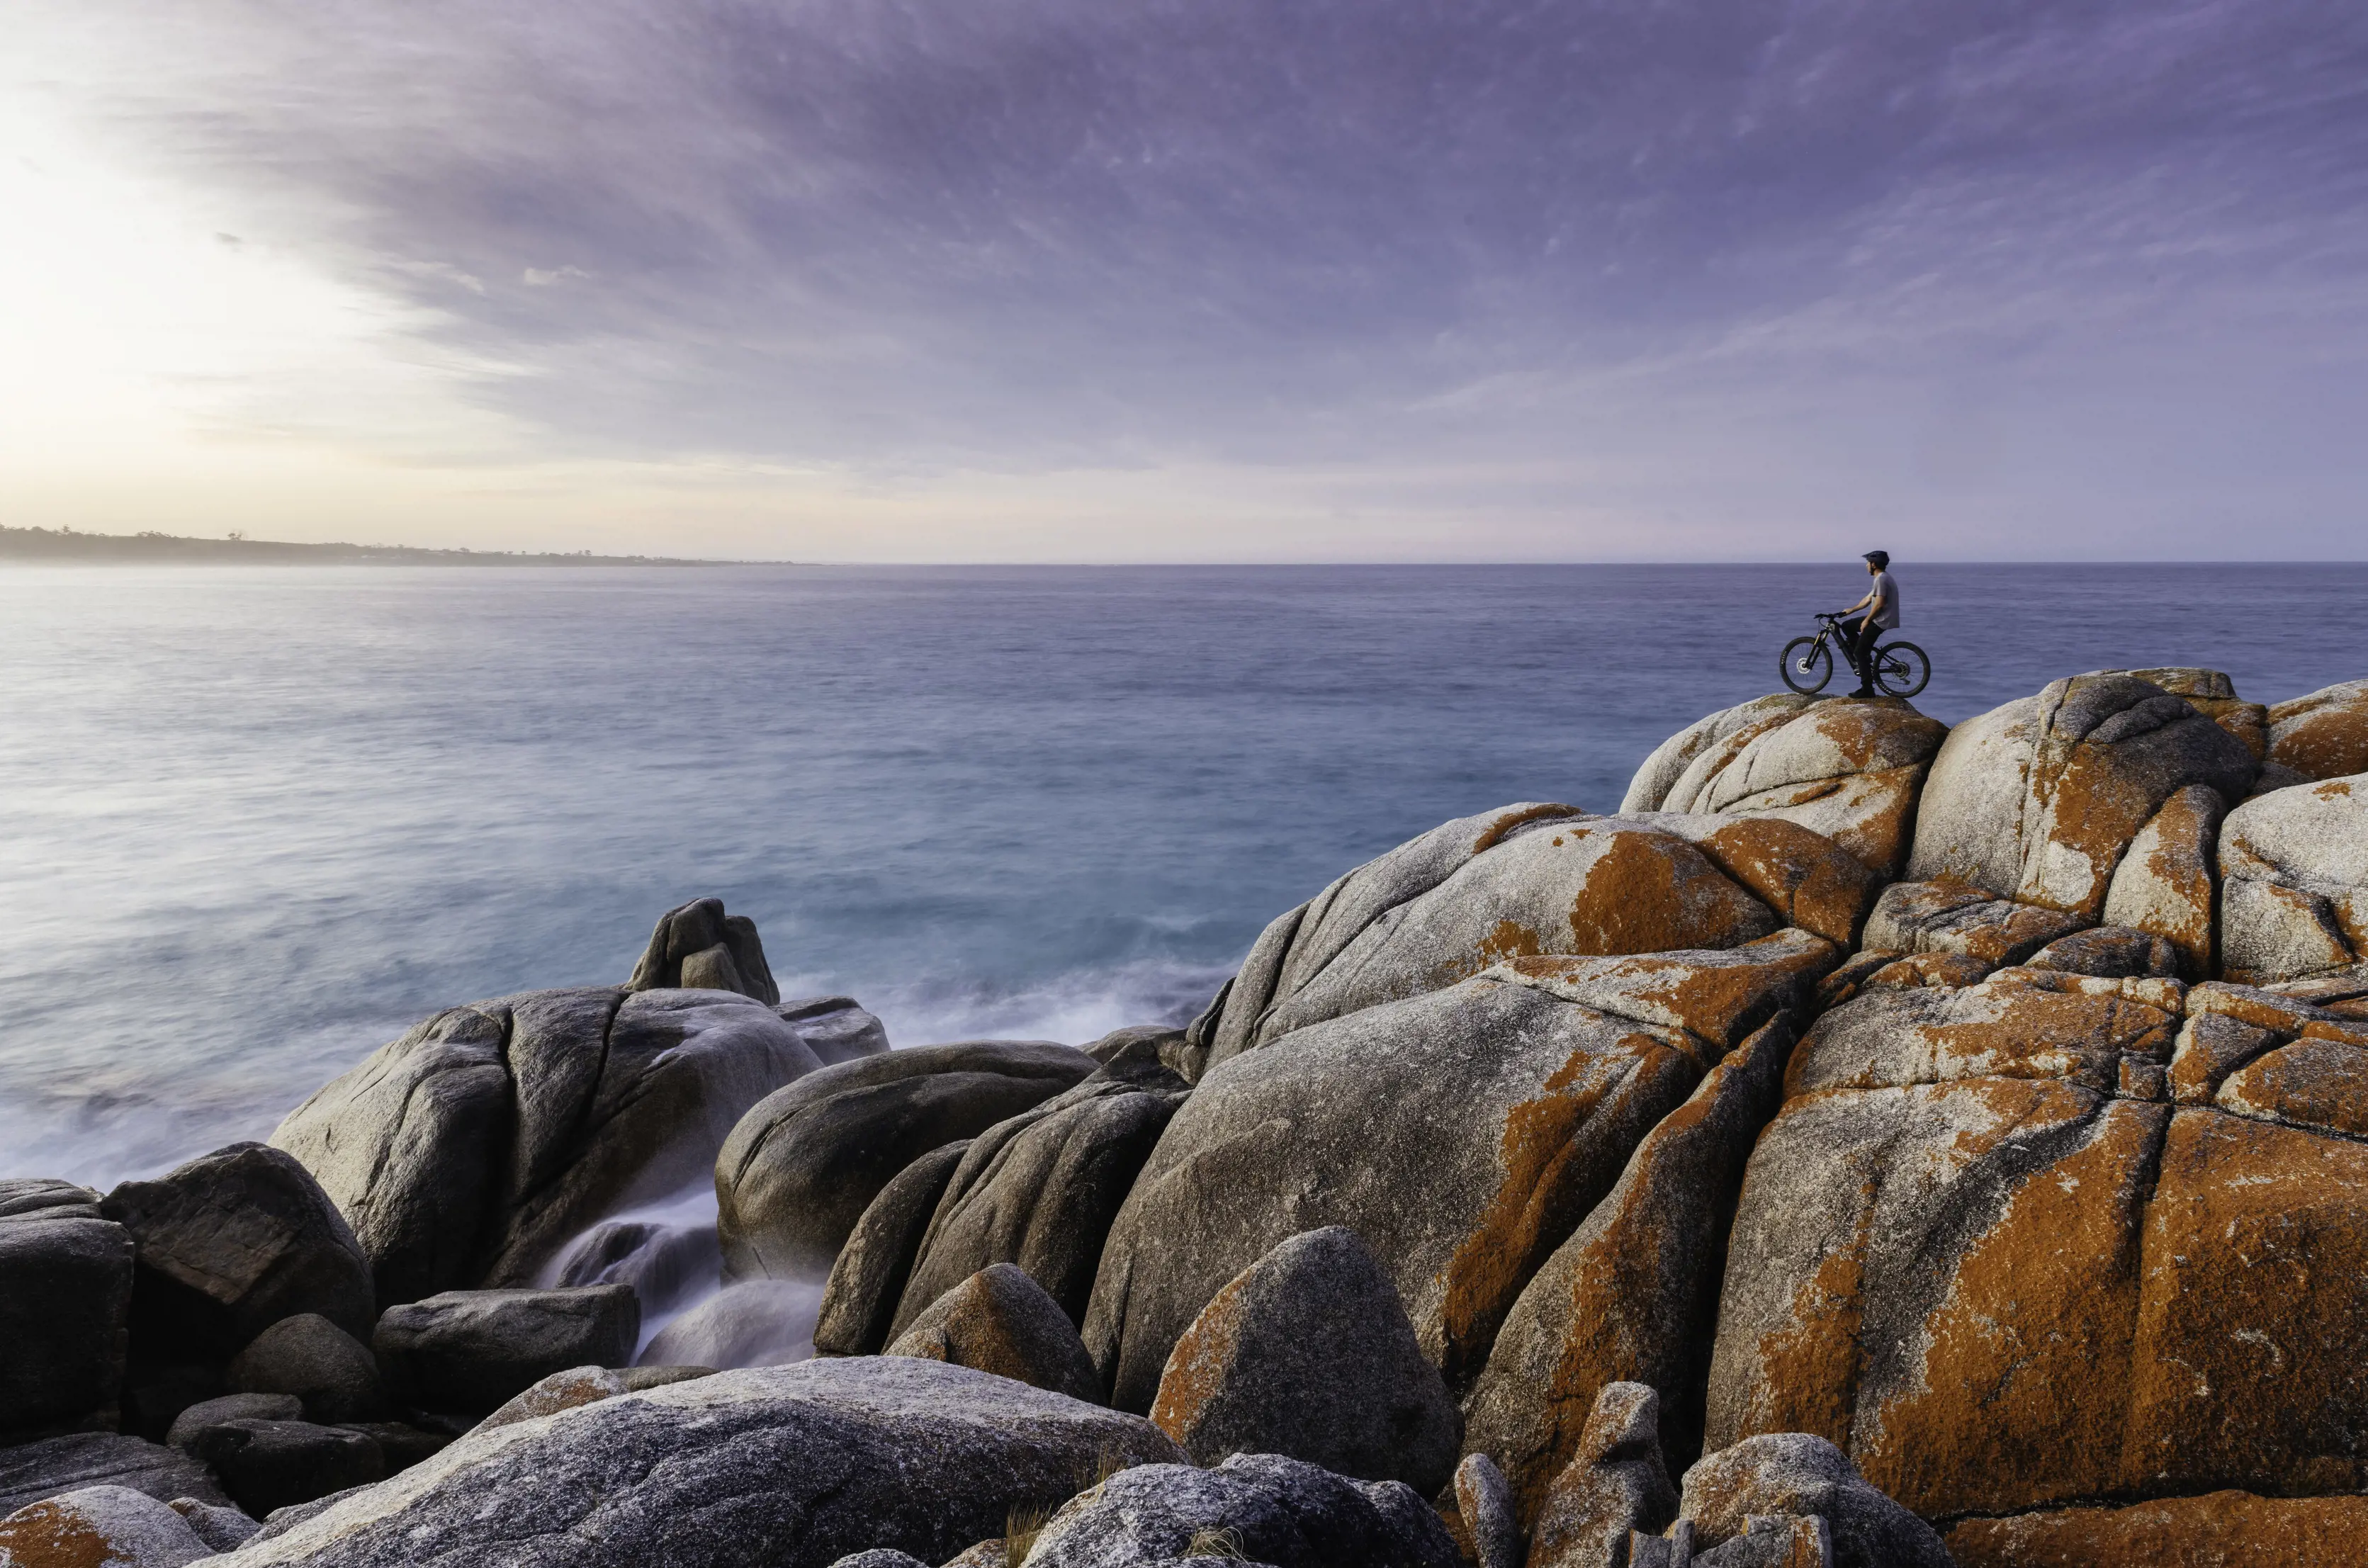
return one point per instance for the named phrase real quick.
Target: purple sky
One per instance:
(1210, 279)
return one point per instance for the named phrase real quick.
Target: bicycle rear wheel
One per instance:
(1901, 669)
(1808, 664)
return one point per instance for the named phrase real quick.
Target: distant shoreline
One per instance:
(64, 546)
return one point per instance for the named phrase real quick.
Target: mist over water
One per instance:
(258, 821)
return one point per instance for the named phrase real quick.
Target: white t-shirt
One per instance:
(1887, 602)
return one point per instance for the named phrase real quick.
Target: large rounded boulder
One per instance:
(800, 1168)
(2325, 734)
(2293, 871)
(1845, 768)
(1461, 1135)
(471, 1151)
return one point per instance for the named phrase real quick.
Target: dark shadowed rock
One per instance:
(222, 1528)
(402, 1444)
(699, 947)
(1485, 1500)
(1632, 1298)
(1845, 768)
(99, 1526)
(266, 1465)
(793, 1466)
(757, 1323)
(472, 1350)
(1308, 1353)
(1254, 1508)
(1000, 1321)
(229, 1245)
(1614, 1484)
(231, 1407)
(800, 1168)
(859, 1305)
(475, 1148)
(65, 1302)
(1790, 1473)
(836, 1029)
(1462, 1135)
(331, 1371)
(30, 1471)
(1040, 1188)
(2038, 800)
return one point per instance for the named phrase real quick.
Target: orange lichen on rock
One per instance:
(1809, 880)
(1649, 892)
(2218, 1529)
(2325, 734)
(1710, 1000)
(55, 1534)
(2313, 1082)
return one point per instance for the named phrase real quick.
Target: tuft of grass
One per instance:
(1213, 1541)
(1020, 1529)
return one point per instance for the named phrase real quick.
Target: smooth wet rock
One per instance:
(470, 1151)
(474, 1350)
(1040, 1188)
(1528, 881)
(1615, 1486)
(1794, 1473)
(1484, 1501)
(1632, 1298)
(2039, 801)
(333, 1374)
(2293, 869)
(664, 1264)
(793, 1466)
(757, 1323)
(697, 947)
(266, 1465)
(1000, 1321)
(231, 1407)
(30, 1471)
(1308, 1353)
(99, 1526)
(232, 1242)
(799, 1169)
(65, 1302)
(859, 1300)
(1254, 1507)
(1461, 1135)
(1845, 768)
(836, 1029)
(2325, 734)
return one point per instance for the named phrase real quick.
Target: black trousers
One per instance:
(1857, 647)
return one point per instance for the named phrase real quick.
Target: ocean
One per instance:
(259, 821)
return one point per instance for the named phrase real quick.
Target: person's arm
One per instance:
(1874, 603)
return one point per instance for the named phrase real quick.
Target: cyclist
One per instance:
(1881, 608)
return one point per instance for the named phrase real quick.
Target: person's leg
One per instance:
(1861, 654)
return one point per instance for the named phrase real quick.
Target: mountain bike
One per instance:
(1900, 669)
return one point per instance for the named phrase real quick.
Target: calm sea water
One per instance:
(258, 821)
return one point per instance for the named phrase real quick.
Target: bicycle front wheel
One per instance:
(1901, 669)
(1808, 664)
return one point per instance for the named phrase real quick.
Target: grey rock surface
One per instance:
(66, 1303)
(333, 1374)
(100, 1526)
(1485, 1500)
(470, 1151)
(2110, 952)
(1000, 1321)
(1040, 1188)
(1791, 1472)
(836, 1029)
(474, 1350)
(800, 1168)
(266, 1465)
(2038, 800)
(231, 1407)
(222, 1528)
(30, 1471)
(880, 1557)
(2294, 873)
(859, 1300)
(757, 1323)
(1308, 1353)
(1461, 1135)
(697, 947)
(585, 1385)
(787, 1467)
(1254, 1507)
(230, 1243)
(1615, 1484)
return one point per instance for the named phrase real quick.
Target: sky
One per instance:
(1193, 279)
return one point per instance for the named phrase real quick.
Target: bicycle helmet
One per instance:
(1881, 559)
